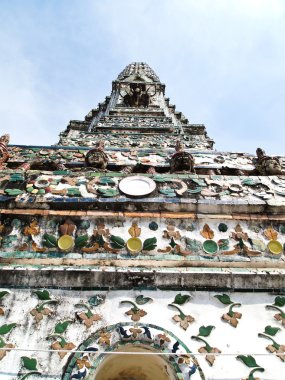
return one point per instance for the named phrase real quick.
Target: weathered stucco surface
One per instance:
(204, 307)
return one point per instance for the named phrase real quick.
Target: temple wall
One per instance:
(64, 315)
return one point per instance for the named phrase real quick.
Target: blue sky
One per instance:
(223, 63)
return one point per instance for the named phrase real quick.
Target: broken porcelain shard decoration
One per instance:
(137, 186)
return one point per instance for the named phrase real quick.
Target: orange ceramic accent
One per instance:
(271, 234)
(207, 233)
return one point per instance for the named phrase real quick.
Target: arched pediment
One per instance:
(132, 351)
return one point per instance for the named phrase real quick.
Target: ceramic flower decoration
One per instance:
(32, 229)
(104, 338)
(83, 362)
(279, 302)
(2, 294)
(41, 310)
(135, 332)
(88, 317)
(250, 362)
(5, 347)
(61, 343)
(274, 347)
(210, 352)
(231, 316)
(135, 313)
(183, 320)
(171, 233)
(134, 230)
(206, 232)
(30, 364)
(163, 339)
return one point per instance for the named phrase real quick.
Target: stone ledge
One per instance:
(143, 265)
(141, 214)
(142, 279)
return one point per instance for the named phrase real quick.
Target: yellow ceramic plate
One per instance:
(65, 242)
(134, 245)
(275, 247)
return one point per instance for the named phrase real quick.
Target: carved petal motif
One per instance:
(105, 338)
(278, 317)
(134, 231)
(81, 363)
(163, 338)
(210, 357)
(271, 234)
(3, 352)
(68, 346)
(32, 229)
(39, 315)
(206, 232)
(184, 322)
(136, 314)
(88, 321)
(233, 320)
(135, 332)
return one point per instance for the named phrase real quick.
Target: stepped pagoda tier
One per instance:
(137, 114)
(133, 250)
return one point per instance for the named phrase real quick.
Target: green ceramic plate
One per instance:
(210, 246)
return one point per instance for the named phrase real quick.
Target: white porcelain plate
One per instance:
(137, 185)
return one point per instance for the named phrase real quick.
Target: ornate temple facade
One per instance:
(133, 250)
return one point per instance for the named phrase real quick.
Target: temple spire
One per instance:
(138, 69)
(137, 106)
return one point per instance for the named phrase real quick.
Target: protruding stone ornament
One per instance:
(4, 155)
(267, 165)
(97, 158)
(181, 160)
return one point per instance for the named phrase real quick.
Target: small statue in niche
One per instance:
(44, 164)
(181, 160)
(4, 155)
(151, 170)
(137, 97)
(127, 169)
(266, 165)
(97, 158)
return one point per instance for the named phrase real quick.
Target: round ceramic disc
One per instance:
(42, 183)
(275, 247)
(236, 188)
(210, 246)
(137, 185)
(134, 245)
(65, 242)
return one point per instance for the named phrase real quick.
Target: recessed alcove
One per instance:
(135, 367)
